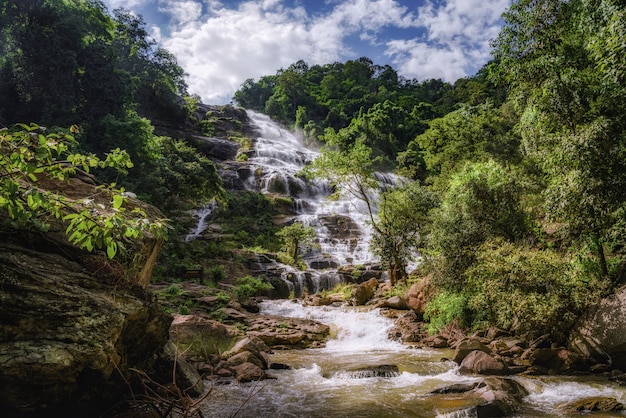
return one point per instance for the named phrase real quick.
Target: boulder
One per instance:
(68, 339)
(494, 397)
(601, 332)
(187, 378)
(282, 332)
(466, 346)
(482, 363)
(364, 292)
(594, 404)
(418, 295)
(559, 360)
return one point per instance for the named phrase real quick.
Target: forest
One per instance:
(516, 177)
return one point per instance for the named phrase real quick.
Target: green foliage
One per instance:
(177, 175)
(29, 157)
(559, 57)
(471, 133)
(249, 286)
(528, 290)
(296, 238)
(483, 200)
(445, 308)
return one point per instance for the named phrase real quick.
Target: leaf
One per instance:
(118, 201)
(111, 249)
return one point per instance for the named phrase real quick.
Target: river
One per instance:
(325, 382)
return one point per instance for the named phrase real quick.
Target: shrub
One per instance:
(526, 289)
(445, 308)
(249, 286)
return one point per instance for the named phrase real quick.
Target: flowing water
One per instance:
(331, 381)
(360, 373)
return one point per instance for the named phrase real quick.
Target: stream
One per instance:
(325, 382)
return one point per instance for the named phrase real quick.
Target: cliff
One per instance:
(71, 326)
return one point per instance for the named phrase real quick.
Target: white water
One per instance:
(281, 155)
(203, 214)
(317, 386)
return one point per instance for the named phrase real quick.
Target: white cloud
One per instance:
(457, 40)
(220, 44)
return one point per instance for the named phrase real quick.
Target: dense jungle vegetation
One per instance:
(518, 195)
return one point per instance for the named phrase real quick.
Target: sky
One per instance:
(221, 44)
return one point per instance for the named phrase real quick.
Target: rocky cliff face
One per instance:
(70, 329)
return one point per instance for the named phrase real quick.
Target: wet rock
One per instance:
(494, 396)
(466, 346)
(248, 372)
(455, 388)
(364, 292)
(594, 404)
(282, 332)
(482, 363)
(384, 371)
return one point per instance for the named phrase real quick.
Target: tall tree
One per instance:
(569, 90)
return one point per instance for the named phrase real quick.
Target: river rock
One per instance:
(559, 360)
(601, 332)
(364, 292)
(281, 332)
(466, 346)
(594, 404)
(494, 396)
(482, 363)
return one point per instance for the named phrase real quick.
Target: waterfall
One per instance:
(342, 225)
(202, 214)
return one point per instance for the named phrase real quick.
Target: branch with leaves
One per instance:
(29, 157)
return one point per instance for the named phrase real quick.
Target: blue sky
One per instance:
(220, 44)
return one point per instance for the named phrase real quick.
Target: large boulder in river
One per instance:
(601, 334)
(364, 292)
(482, 363)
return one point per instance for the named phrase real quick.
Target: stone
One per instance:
(418, 296)
(482, 363)
(187, 378)
(277, 331)
(601, 333)
(594, 404)
(248, 372)
(364, 292)
(67, 337)
(466, 346)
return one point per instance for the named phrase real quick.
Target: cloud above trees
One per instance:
(220, 44)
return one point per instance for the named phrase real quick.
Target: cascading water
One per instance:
(202, 214)
(341, 225)
(362, 373)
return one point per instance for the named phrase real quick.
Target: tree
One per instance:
(29, 157)
(568, 88)
(483, 201)
(296, 238)
(402, 219)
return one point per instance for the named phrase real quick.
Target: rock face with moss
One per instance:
(71, 327)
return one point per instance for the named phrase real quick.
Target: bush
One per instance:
(526, 289)
(249, 286)
(445, 308)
